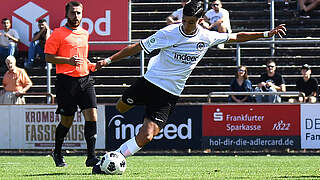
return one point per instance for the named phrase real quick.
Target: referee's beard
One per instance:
(73, 23)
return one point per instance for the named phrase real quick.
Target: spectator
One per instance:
(176, 16)
(241, 84)
(37, 43)
(218, 19)
(8, 39)
(306, 6)
(15, 81)
(271, 81)
(307, 86)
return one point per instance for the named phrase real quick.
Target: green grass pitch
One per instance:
(168, 167)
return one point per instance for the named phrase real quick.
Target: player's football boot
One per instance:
(96, 169)
(59, 160)
(92, 161)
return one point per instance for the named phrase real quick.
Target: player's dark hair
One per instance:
(72, 4)
(194, 8)
(4, 19)
(42, 21)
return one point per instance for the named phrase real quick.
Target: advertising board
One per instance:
(182, 131)
(105, 20)
(251, 126)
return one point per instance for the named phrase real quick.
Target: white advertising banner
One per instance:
(34, 126)
(310, 126)
(5, 127)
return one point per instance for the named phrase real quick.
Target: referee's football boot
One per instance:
(59, 160)
(90, 162)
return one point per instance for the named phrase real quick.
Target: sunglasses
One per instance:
(270, 66)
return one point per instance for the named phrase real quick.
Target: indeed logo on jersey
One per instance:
(185, 58)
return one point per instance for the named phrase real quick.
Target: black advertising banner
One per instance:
(182, 131)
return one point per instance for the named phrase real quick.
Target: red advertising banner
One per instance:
(251, 120)
(105, 20)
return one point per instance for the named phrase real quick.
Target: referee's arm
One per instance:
(54, 59)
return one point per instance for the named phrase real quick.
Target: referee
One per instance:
(67, 47)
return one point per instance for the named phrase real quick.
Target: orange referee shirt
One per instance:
(67, 43)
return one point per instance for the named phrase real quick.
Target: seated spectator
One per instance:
(307, 86)
(241, 84)
(15, 81)
(176, 16)
(8, 39)
(271, 81)
(37, 44)
(306, 6)
(218, 19)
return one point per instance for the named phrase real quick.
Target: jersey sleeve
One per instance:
(155, 41)
(52, 43)
(217, 38)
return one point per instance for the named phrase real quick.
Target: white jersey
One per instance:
(178, 14)
(213, 17)
(4, 41)
(179, 54)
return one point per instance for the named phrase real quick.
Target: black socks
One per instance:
(61, 133)
(90, 133)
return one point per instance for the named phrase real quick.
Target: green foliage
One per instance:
(168, 167)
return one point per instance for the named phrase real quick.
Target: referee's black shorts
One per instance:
(73, 92)
(159, 104)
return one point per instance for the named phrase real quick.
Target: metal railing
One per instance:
(40, 94)
(253, 94)
(282, 41)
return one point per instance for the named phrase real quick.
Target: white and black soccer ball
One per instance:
(113, 163)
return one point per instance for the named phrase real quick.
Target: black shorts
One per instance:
(73, 92)
(159, 104)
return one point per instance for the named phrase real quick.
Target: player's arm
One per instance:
(248, 36)
(125, 52)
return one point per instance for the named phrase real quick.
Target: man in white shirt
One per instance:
(176, 16)
(218, 18)
(8, 39)
(181, 46)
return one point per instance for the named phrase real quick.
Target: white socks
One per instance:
(129, 147)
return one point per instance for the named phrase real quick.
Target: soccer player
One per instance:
(67, 47)
(181, 46)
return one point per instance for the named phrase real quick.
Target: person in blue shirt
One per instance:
(241, 83)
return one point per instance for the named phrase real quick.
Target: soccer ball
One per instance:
(113, 163)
